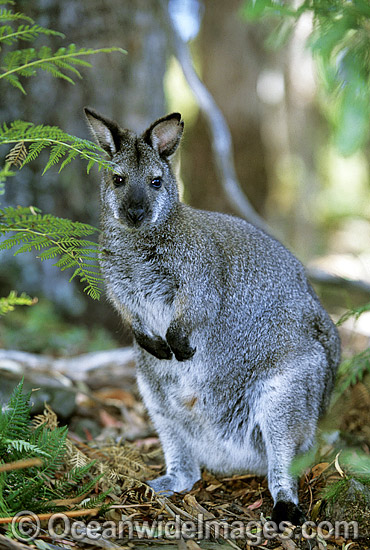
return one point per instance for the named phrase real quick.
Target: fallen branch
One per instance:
(20, 464)
(42, 517)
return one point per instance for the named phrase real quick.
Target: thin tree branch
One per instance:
(220, 133)
(321, 277)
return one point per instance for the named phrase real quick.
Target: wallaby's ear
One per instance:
(164, 134)
(105, 131)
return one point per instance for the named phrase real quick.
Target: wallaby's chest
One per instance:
(142, 285)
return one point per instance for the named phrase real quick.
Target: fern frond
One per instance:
(9, 15)
(48, 419)
(73, 478)
(30, 230)
(25, 32)
(14, 81)
(352, 371)
(14, 419)
(355, 312)
(52, 442)
(25, 62)
(24, 447)
(17, 155)
(62, 145)
(8, 303)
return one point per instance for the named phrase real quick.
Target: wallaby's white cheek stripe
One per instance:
(158, 205)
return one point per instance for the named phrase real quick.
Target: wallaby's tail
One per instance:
(327, 335)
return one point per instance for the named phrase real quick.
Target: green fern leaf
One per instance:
(34, 150)
(14, 81)
(25, 32)
(352, 371)
(70, 156)
(62, 145)
(53, 442)
(26, 61)
(56, 153)
(9, 15)
(8, 303)
(24, 446)
(16, 415)
(27, 229)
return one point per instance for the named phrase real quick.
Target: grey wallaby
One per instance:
(236, 357)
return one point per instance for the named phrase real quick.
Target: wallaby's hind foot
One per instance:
(287, 511)
(169, 484)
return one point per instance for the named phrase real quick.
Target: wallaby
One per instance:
(236, 357)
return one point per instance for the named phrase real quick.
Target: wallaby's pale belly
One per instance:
(227, 456)
(211, 446)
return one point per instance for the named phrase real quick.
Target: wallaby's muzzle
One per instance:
(135, 215)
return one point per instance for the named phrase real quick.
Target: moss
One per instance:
(349, 500)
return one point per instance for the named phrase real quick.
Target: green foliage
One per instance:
(356, 466)
(35, 488)
(340, 41)
(53, 237)
(25, 330)
(354, 312)
(9, 35)
(26, 228)
(352, 370)
(25, 62)
(62, 146)
(8, 304)
(302, 462)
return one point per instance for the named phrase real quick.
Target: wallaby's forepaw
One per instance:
(154, 345)
(179, 344)
(287, 511)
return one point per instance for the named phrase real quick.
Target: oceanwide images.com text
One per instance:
(28, 526)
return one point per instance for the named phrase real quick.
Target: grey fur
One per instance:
(236, 357)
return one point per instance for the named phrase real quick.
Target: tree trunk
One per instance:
(225, 37)
(128, 88)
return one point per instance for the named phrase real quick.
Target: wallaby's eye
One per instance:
(156, 183)
(118, 180)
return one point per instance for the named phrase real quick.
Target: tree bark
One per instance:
(128, 88)
(225, 36)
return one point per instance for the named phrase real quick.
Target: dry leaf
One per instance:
(48, 419)
(213, 487)
(319, 469)
(337, 467)
(116, 394)
(109, 421)
(256, 504)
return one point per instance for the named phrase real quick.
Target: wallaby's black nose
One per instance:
(135, 215)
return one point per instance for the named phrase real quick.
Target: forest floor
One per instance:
(109, 424)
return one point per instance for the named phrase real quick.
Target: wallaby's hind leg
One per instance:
(282, 485)
(288, 424)
(182, 471)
